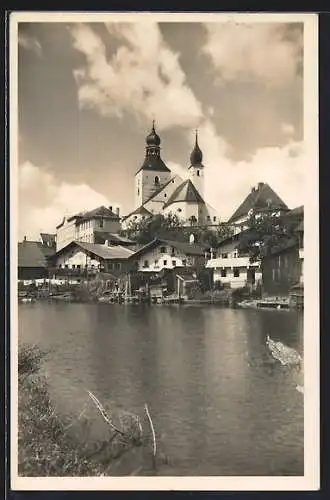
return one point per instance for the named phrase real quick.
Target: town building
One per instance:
(88, 259)
(34, 259)
(162, 254)
(159, 191)
(261, 200)
(231, 267)
(94, 226)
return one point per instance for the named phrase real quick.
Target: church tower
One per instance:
(153, 173)
(196, 169)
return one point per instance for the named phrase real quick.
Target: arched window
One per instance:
(197, 173)
(157, 180)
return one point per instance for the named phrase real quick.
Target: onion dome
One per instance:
(196, 156)
(153, 139)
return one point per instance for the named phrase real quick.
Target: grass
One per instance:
(50, 444)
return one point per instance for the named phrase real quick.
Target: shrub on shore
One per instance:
(50, 444)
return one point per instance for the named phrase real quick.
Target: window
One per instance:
(184, 262)
(214, 219)
(73, 266)
(157, 180)
(78, 266)
(156, 263)
(60, 266)
(173, 263)
(146, 263)
(165, 262)
(223, 273)
(179, 210)
(224, 255)
(208, 218)
(118, 265)
(138, 191)
(162, 249)
(197, 173)
(165, 195)
(66, 266)
(236, 272)
(173, 251)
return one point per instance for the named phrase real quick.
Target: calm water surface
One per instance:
(218, 403)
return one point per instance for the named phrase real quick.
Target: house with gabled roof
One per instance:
(162, 254)
(159, 191)
(93, 226)
(34, 259)
(82, 258)
(262, 199)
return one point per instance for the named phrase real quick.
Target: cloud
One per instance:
(287, 129)
(227, 183)
(30, 43)
(43, 201)
(143, 77)
(267, 53)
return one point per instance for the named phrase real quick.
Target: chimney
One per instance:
(260, 185)
(117, 211)
(253, 189)
(110, 208)
(24, 239)
(106, 243)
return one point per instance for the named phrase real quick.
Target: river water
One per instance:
(220, 406)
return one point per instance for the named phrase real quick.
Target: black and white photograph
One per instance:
(163, 176)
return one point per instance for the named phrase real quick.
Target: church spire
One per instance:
(196, 156)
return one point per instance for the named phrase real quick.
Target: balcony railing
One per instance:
(230, 262)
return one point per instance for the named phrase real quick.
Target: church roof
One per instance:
(261, 197)
(153, 161)
(154, 164)
(185, 192)
(196, 156)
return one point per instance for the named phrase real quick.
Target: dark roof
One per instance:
(297, 211)
(186, 191)
(154, 164)
(262, 197)
(282, 246)
(48, 238)
(114, 238)
(102, 211)
(186, 248)
(102, 251)
(300, 227)
(139, 211)
(34, 254)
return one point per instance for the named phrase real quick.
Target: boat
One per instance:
(265, 304)
(284, 354)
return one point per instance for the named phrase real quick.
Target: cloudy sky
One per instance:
(87, 94)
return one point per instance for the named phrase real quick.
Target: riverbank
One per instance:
(92, 443)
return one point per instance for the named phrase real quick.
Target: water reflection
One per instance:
(219, 404)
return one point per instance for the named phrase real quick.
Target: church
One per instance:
(159, 191)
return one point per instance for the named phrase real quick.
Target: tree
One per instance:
(157, 226)
(265, 234)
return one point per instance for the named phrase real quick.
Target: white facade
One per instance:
(196, 175)
(163, 257)
(147, 182)
(85, 231)
(77, 258)
(155, 205)
(236, 271)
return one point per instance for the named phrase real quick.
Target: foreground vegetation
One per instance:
(96, 442)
